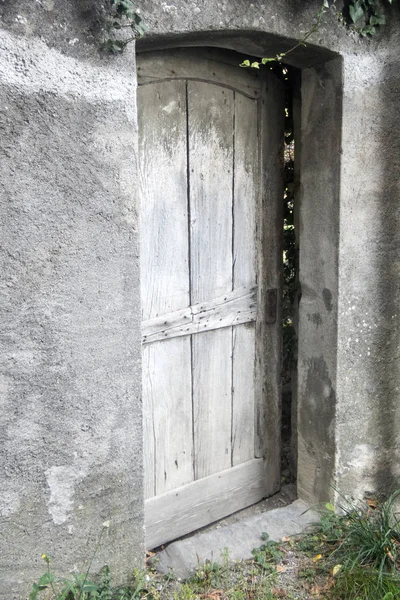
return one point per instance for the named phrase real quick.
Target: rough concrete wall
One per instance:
(73, 27)
(318, 277)
(70, 432)
(368, 404)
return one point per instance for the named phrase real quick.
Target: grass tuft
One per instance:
(350, 556)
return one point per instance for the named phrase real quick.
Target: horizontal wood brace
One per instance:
(202, 502)
(233, 308)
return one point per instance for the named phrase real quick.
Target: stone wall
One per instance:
(71, 434)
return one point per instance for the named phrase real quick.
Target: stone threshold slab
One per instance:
(184, 556)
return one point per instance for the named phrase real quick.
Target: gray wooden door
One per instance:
(210, 167)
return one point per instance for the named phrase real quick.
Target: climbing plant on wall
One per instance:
(365, 17)
(362, 16)
(122, 16)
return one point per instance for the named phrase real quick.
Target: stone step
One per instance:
(184, 556)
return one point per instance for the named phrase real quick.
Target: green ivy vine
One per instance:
(365, 17)
(362, 16)
(122, 16)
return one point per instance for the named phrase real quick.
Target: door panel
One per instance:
(168, 415)
(165, 287)
(210, 133)
(246, 173)
(212, 383)
(243, 405)
(208, 246)
(163, 156)
(210, 139)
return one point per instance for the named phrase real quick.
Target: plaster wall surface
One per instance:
(368, 408)
(318, 230)
(70, 431)
(71, 434)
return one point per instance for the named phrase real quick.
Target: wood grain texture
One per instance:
(243, 393)
(164, 217)
(201, 64)
(210, 157)
(197, 504)
(246, 191)
(234, 308)
(210, 110)
(149, 406)
(165, 284)
(168, 416)
(212, 410)
(211, 119)
(269, 335)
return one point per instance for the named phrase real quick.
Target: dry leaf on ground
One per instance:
(281, 568)
(317, 558)
(278, 593)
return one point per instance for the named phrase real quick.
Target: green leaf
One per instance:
(80, 578)
(356, 12)
(245, 63)
(330, 507)
(377, 19)
(368, 30)
(267, 60)
(46, 579)
(34, 592)
(389, 595)
(69, 588)
(140, 30)
(255, 65)
(89, 587)
(116, 46)
(36, 588)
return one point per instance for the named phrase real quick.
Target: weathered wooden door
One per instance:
(210, 166)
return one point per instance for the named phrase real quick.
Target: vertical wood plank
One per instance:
(243, 393)
(246, 190)
(167, 365)
(165, 284)
(210, 164)
(210, 112)
(269, 334)
(164, 229)
(212, 401)
(149, 354)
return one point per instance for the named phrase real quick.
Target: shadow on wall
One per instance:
(386, 386)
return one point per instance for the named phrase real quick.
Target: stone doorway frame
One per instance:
(318, 124)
